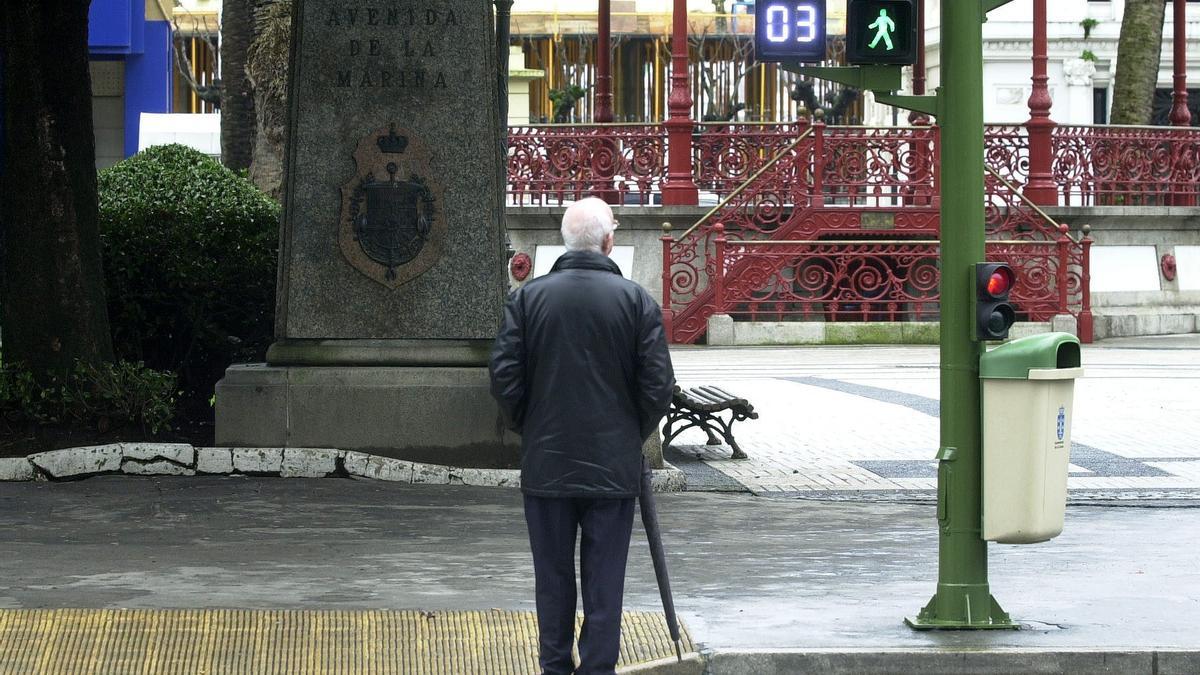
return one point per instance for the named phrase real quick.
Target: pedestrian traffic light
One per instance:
(993, 313)
(789, 30)
(881, 31)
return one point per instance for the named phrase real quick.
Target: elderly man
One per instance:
(581, 370)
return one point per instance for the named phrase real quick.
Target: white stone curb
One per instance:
(180, 459)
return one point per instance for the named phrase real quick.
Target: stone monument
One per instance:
(391, 266)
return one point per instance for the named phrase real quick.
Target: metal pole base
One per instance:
(952, 608)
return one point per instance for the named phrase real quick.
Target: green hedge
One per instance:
(111, 395)
(189, 263)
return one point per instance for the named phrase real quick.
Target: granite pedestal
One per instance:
(441, 415)
(392, 256)
(436, 414)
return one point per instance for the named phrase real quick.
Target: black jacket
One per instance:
(581, 370)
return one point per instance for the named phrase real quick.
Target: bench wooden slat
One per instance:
(706, 403)
(724, 393)
(724, 396)
(695, 395)
(710, 397)
(700, 394)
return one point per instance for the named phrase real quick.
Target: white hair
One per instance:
(586, 224)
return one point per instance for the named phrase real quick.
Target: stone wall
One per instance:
(1130, 293)
(639, 226)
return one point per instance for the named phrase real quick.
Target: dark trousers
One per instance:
(604, 547)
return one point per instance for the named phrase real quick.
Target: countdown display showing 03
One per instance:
(789, 30)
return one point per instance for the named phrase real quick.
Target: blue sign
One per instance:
(789, 30)
(116, 26)
(1062, 422)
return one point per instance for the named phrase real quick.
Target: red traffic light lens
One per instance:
(1000, 282)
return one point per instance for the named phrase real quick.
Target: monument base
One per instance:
(440, 415)
(368, 352)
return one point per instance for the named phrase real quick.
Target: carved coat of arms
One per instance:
(392, 224)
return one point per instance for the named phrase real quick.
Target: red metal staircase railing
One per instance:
(842, 224)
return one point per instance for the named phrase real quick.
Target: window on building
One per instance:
(1100, 105)
(1161, 111)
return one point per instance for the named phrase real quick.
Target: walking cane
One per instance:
(654, 536)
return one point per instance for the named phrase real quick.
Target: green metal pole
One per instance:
(963, 598)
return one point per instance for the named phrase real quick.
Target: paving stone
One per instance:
(859, 421)
(386, 468)
(432, 474)
(355, 463)
(668, 480)
(308, 462)
(214, 460)
(16, 468)
(79, 461)
(257, 460)
(180, 453)
(156, 468)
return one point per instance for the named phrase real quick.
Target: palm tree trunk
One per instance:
(1138, 54)
(267, 66)
(237, 99)
(52, 292)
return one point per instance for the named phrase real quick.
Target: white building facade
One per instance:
(1080, 68)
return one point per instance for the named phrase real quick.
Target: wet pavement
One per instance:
(861, 423)
(750, 573)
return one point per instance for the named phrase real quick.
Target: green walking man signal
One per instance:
(884, 26)
(881, 32)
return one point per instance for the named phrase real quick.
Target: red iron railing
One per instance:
(552, 164)
(726, 155)
(836, 222)
(888, 177)
(879, 280)
(784, 247)
(765, 206)
(1093, 165)
(1127, 166)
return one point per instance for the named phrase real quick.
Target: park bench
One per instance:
(700, 407)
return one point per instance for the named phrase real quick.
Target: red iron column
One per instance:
(1181, 185)
(680, 188)
(1040, 188)
(1180, 115)
(604, 101)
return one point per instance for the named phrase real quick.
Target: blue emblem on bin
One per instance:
(1062, 422)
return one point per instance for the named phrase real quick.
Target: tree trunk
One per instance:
(52, 296)
(266, 170)
(267, 67)
(237, 100)
(1138, 54)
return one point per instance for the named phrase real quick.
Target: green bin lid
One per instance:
(1013, 360)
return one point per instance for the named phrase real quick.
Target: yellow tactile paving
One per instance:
(260, 642)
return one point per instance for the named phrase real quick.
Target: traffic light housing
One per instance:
(881, 31)
(994, 315)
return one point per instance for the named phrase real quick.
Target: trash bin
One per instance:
(1027, 387)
